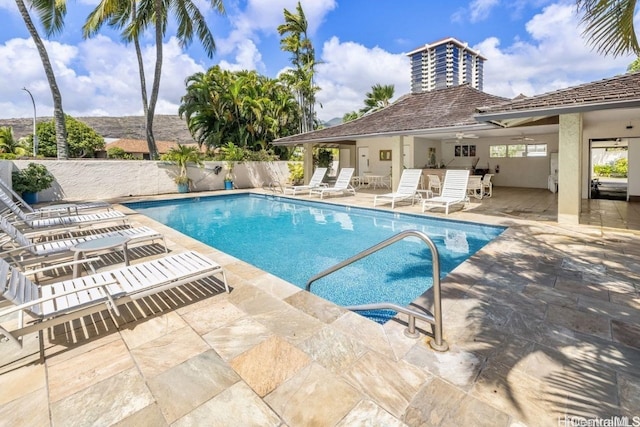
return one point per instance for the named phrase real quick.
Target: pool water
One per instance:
(295, 240)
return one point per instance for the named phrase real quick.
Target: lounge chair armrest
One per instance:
(61, 265)
(16, 249)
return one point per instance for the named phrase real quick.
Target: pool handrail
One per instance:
(435, 319)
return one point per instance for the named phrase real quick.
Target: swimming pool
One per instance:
(295, 239)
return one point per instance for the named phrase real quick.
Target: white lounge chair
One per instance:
(46, 248)
(454, 190)
(60, 302)
(342, 185)
(38, 220)
(48, 210)
(407, 188)
(314, 182)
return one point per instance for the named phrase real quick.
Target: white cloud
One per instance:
(9, 5)
(557, 57)
(350, 69)
(480, 9)
(263, 17)
(109, 86)
(247, 57)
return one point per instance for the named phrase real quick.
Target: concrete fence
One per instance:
(105, 179)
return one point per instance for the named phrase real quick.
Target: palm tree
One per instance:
(609, 25)
(351, 115)
(8, 144)
(135, 18)
(300, 79)
(243, 107)
(52, 18)
(120, 14)
(182, 155)
(379, 97)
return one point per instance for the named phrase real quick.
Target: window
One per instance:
(537, 150)
(518, 150)
(498, 151)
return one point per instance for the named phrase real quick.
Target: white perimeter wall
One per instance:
(106, 179)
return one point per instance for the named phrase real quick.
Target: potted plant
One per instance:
(182, 155)
(30, 180)
(230, 153)
(228, 178)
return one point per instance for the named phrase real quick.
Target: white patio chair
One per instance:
(314, 182)
(454, 190)
(342, 185)
(407, 188)
(487, 185)
(52, 304)
(435, 185)
(474, 187)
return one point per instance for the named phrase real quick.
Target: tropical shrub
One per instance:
(83, 141)
(244, 107)
(35, 177)
(181, 156)
(296, 172)
(119, 153)
(10, 148)
(619, 168)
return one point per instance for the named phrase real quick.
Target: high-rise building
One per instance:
(444, 63)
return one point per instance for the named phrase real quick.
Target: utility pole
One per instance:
(35, 137)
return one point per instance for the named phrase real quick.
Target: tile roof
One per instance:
(612, 90)
(442, 108)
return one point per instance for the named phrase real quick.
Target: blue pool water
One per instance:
(295, 240)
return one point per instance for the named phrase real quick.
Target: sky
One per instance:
(531, 46)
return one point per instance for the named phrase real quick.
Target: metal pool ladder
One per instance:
(435, 319)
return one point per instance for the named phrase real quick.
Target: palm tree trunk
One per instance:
(58, 112)
(151, 142)
(143, 81)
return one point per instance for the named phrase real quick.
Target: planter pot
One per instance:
(183, 188)
(31, 198)
(228, 185)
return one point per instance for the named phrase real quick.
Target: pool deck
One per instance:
(542, 324)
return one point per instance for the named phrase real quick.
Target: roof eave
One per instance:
(411, 132)
(552, 111)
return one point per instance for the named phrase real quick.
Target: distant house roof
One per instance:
(165, 127)
(615, 92)
(140, 145)
(415, 113)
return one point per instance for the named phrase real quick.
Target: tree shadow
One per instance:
(539, 327)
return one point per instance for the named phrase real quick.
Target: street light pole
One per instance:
(35, 137)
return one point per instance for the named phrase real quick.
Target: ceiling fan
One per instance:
(459, 136)
(522, 138)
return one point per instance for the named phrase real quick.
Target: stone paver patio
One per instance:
(542, 324)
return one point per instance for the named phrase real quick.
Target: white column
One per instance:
(307, 162)
(397, 163)
(569, 168)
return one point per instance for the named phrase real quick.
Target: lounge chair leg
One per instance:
(224, 279)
